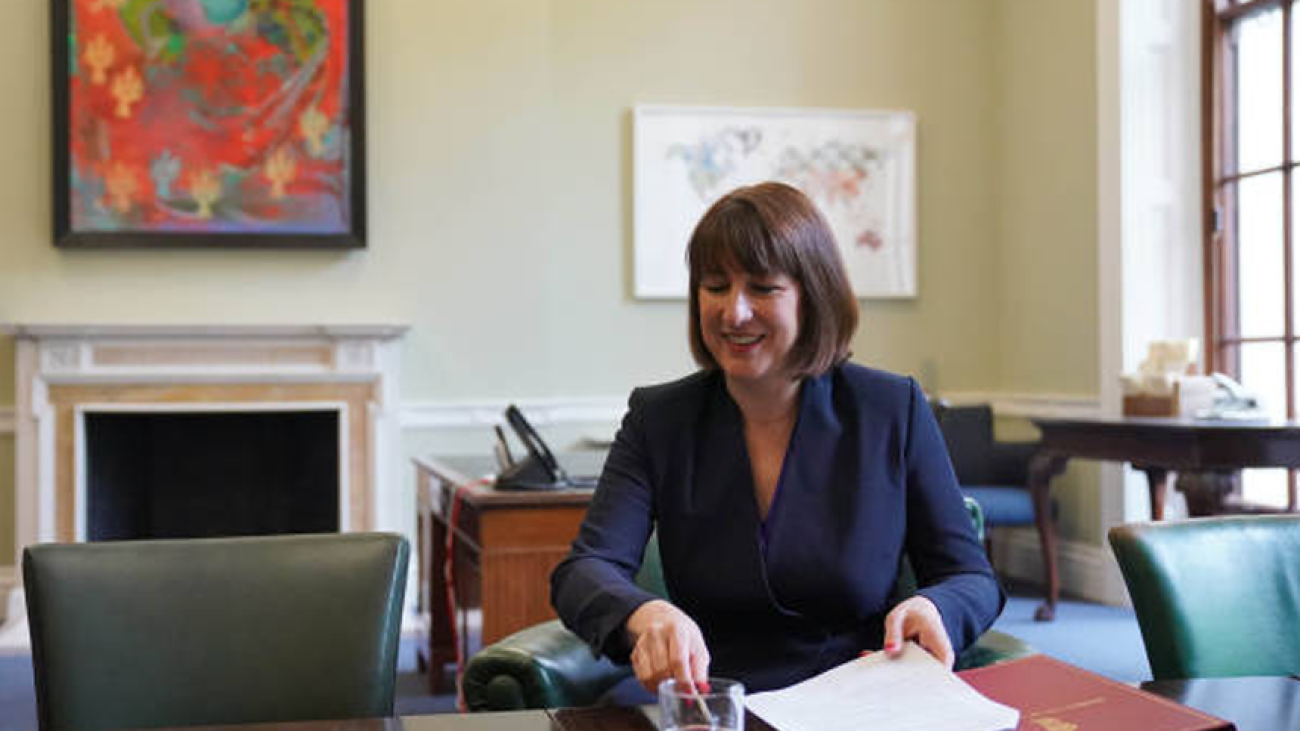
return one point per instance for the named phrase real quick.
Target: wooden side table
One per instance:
(505, 546)
(1156, 446)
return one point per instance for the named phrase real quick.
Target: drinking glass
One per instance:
(685, 708)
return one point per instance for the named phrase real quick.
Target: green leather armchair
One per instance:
(546, 666)
(142, 634)
(1215, 597)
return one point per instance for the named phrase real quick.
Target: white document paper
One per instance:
(911, 692)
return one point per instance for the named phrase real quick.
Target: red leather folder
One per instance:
(1054, 695)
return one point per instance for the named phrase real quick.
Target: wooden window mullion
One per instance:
(1288, 217)
(1222, 176)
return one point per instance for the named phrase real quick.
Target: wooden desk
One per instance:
(1253, 704)
(506, 545)
(1156, 446)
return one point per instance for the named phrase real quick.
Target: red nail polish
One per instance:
(891, 646)
(703, 687)
(864, 653)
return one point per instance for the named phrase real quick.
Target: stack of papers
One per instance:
(911, 692)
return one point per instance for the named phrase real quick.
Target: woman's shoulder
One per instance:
(872, 381)
(871, 391)
(688, 389)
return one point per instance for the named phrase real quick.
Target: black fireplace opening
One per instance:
(209, 474)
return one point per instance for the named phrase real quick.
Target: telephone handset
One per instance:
(538, 470)
(1232, 401)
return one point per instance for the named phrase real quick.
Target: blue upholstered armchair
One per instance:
(995, 474)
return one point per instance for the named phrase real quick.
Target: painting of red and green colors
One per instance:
(208, 122)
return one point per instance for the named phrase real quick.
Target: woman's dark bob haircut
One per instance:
(772, 228)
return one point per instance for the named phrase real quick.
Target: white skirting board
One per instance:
(8, 580)
(1087, 571)
(13, 633)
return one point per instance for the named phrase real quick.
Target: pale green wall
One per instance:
(1047, 227)
(6, 515)
(6, 362)
(500, 186)
(500, 190)
(1047, 98)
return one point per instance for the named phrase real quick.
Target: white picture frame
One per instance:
(858, 166)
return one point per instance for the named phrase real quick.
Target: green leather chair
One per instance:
(141, 634)
(546, 666)
(1215, 597)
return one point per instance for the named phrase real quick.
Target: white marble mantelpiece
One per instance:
(64, 371)
(55, 330)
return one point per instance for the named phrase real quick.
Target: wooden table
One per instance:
(1155, 446)
(506, 545)
(1253, 704)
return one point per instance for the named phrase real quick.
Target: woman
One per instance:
(786, 483)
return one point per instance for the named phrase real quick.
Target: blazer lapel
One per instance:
(805, 524)
(722, 522)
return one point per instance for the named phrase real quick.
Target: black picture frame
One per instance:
(352, 235)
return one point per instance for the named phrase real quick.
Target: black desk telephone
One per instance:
(538, 470)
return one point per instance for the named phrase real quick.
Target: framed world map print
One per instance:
(858, 167)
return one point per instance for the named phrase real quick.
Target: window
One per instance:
(1252, 141)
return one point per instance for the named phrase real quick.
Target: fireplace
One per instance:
(98, 404)
(77, 384)
(195, 474)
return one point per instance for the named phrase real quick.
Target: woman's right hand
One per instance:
(666, 643)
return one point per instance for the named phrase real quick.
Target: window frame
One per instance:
(1223, 339)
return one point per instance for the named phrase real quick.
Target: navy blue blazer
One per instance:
(866, 480)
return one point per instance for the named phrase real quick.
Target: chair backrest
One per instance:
(651, 575)
(968, 433)
(1215, 597)
(140, 634)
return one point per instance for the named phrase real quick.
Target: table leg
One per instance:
(422, 598)
(442, 647)
(1042, 468)
(1207, 492)
(1157, 481)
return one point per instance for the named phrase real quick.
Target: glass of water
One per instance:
(683, 707)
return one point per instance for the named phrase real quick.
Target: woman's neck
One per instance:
(766, 401)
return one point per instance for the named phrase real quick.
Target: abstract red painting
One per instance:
(209, 122)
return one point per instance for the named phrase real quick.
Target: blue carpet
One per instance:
(1096, 637)
(17, 696)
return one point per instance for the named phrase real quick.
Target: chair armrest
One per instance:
(543, 666)
(993, 647)
(547, 666)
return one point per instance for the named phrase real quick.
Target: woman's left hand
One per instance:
(916, 618)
